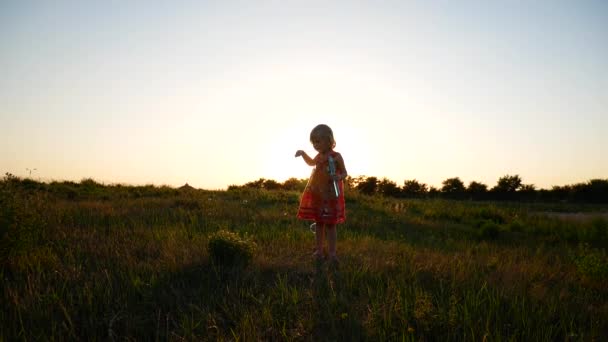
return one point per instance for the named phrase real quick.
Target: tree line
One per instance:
(507, 188)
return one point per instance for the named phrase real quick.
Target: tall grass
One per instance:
(107, 262)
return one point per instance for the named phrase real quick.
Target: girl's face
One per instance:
(321, 144)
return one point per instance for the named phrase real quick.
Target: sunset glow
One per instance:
(214, 94)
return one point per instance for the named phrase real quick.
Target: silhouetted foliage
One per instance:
(527, 192)
(293, 184)
(527, 188)
(593, 191)
(414, 189)
(270, 184)
(257, 184)
(453, 187)
(506, 187)
(558, 193)
(387, 187)
(488, 231)
(596, 190)
(477, 191)
(509, 187)
(22, 219)
(367, 185)
(508, 184)
(434, 192)
(349, 183)
(264, 183)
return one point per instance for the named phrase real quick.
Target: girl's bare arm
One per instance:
(306, 157)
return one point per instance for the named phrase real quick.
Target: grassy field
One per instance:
(92, 262)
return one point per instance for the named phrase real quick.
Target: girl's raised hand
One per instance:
(299, 153)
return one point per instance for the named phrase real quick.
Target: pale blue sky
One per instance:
(219, 93)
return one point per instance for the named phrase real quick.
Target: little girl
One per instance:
(323, 197)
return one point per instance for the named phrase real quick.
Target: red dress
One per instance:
(319, 202)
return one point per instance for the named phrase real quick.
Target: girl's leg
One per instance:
(320, 236)
(332, 236)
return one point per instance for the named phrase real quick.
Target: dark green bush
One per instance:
(599, 231)
(491, 214)
(489, 231)
(516, 226)
(591, 262)
(229, 250)
(21, 219)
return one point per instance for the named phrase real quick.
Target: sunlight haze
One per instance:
(221, 93)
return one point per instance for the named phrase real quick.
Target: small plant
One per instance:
(491, 214)
(489, 231)
(592, 263)
(516, 226)
(424, 311)
(599, 230)
(21, 219)
(228, 249)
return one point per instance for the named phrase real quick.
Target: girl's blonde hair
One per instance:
(323, 131)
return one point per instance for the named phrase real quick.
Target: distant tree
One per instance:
(90, 183)
(477, 190)
(544, 195)
(508, 184)
(527, 188)
(560, 193)
(367, 185)
(595, 191)
(349, 182)
(413, 188)
(293, 184)
(270, 184)
(387, 187)
(527, 192)
(262, 183)
(433, 192)
(358, 180)
(453, 187)
(258, 184)
(598, 190)
(506, 187)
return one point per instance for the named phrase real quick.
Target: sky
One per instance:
(219, 93)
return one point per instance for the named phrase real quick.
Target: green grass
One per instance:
(94, 262)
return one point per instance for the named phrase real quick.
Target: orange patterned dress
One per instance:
(319, 202)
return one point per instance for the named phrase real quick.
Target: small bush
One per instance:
(21, 219)
(489, 231)
(592, 263)
(228, 249)
(599, 230)
(491, 214)
(516, 226)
